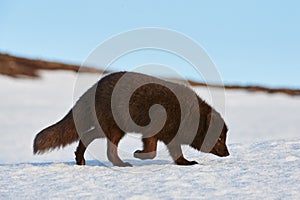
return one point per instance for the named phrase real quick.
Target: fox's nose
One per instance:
(226, 153)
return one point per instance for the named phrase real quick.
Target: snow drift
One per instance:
(263, 140)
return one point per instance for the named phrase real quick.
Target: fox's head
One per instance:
(213, 138)
(220, 148)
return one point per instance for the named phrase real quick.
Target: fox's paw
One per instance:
(80, 162)
(123, 164)
(186, 162)
(143, 156)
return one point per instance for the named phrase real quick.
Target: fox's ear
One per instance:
(214, 126)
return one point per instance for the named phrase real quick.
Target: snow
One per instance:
(263, 141)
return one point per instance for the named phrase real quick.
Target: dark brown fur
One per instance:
(65, 131)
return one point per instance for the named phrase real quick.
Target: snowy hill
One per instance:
(263, 139)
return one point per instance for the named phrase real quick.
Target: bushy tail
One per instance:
(56, 136)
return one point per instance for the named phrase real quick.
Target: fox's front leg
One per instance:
(176, 153)
(113, 139)
(149, 151)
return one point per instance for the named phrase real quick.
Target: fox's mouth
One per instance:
(221, 153)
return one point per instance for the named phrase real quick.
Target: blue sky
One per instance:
(251, 42)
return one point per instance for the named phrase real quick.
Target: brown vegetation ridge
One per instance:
(251, 88)
(22, 67)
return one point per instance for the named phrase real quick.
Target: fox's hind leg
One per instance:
(149, 151)
(113, 139)
(79, 153)
(176, 153)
